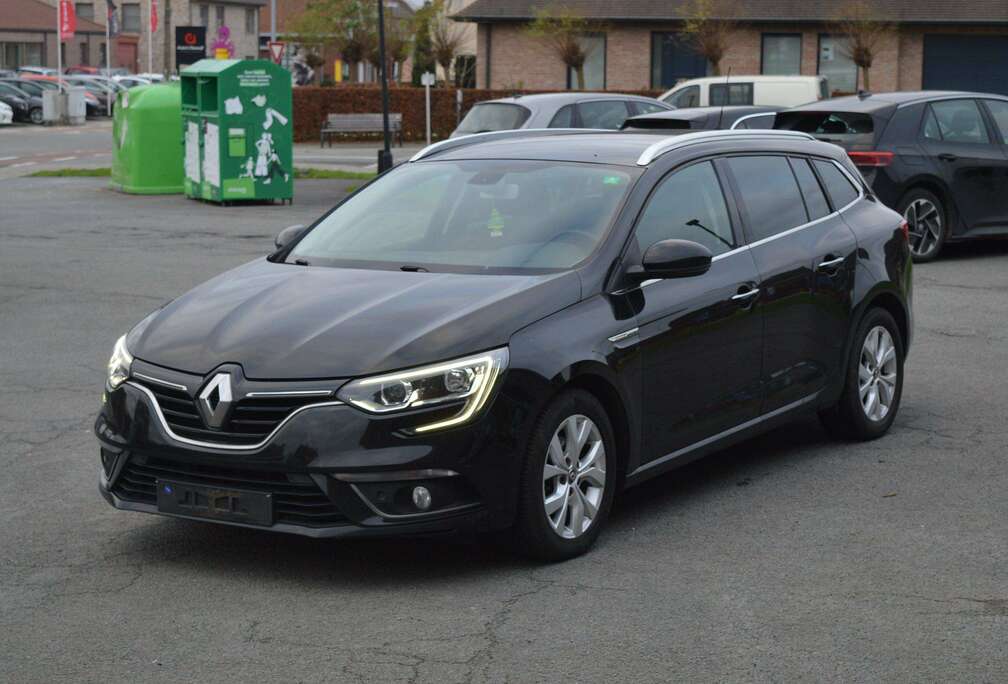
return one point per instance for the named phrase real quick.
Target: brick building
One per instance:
(936, 44)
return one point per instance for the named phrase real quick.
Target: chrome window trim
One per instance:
(159, 381)
(722, 255)
(734, 126)
(216, 445)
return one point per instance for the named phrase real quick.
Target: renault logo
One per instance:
(215, 400)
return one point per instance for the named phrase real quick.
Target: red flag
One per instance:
(67, 20)
(153, 16)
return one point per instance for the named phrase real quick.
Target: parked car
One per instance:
(81, 70)
(6, 114)
(771, 91)
(511, 328)
(939, 158)
(703, 119)
(131, 81)
(25, 106)
(104, 94)
(38, 70)
(93, 106)
(556, 110)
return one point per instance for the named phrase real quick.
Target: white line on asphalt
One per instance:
(14, 166)
(7, 158)
(64, 159)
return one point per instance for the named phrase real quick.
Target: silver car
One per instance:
(556, 110)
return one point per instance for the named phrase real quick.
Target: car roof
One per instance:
(591, 146)
(559, 99)
(701, 112)
(870, 102)
(763, 78)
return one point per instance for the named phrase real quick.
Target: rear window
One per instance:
(850, 130)
(493, 116)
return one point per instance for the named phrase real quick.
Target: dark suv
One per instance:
(511, 329)
(939, 158)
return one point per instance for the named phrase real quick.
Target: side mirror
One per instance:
(672, 259)
(288, 235)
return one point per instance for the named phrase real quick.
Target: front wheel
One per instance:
(35, 115)
(873, 383)
(925, 217)
(568, 479)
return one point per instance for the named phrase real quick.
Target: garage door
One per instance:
(966, 63)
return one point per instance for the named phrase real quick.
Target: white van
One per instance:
(769, 91)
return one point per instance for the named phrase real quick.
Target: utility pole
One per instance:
(168, 33)
(385, 155)
(273, 33)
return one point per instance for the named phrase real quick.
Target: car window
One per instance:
(563, 118)
(647, 107)
(844, 128)
(839, 187)
(930, 128)
(769, 193)
(756, 121)
(688, 205)
(731, 94)
(493, 116)
(815, 200)
(959, 121)
(687, 97)
(608, 114)
(999, 110)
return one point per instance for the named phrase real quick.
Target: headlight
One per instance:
(469, 381)
(118, 365)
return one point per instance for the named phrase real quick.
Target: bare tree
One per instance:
(861, 32)
(563, 30)
(446, 36)
(349, 26)
(709, 29)
(398, 45)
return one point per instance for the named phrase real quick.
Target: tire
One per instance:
(554, 536)
(928, 220)
(852, 417)
(35, 115)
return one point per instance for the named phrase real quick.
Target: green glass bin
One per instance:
(147, 144)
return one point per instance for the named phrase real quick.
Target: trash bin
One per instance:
(147, 140)
(238, 131)
(76, 105)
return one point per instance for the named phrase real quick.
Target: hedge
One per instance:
(312, 104)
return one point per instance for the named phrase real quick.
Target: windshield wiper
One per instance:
(410, 268)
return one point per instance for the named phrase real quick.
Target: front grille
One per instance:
(250, 421)
(297, 500)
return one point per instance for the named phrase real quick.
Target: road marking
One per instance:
(64, 159)
(7, 158)
(14, 166)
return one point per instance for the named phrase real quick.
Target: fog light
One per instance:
(421, 498)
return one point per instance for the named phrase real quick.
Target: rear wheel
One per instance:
(568, 479)
(925, 215)
(873, 382)
(35, 115)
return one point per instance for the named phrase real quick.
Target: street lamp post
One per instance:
(384, 155)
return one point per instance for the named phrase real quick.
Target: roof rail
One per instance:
(675, 142)
(476, 138)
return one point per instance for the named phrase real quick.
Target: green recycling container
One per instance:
(147, 140)
(238, 131)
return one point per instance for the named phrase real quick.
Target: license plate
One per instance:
(179, 498)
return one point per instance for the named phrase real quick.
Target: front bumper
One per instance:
(331, 471)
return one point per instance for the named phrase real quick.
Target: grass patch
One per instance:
(101, 172)
(329, 174)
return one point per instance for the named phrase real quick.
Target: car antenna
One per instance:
(720, 115)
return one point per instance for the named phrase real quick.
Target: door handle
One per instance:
(948, 156)
(830, 265)
(745, 296)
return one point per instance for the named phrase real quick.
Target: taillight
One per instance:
(905, 227)
(873, 158)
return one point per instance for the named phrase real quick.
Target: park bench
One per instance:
(358, 123)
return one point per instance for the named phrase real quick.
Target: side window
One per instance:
(959, 121)
(646, 107)
(688, 205)
(731, 94)
(757, 121)
(687, 97)
(837, 184)
(999, 110)
(815, 200)
(603, 114)
(930, 128)
(770, 194)
(563, 118)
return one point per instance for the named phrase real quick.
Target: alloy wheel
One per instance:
(877, 374)
(925, 223)
(574, 476)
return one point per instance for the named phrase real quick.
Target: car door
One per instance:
(965, 155)
(998, 113)
(701, 337)
(791, 252)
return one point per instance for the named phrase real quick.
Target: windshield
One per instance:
(847, 129)
(472, 216)
(494, 116)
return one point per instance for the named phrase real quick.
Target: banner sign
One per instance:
(190, 44)
(153, 16)
(67, 20)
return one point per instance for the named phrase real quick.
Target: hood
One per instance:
(280, 321)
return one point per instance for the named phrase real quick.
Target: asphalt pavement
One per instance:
(787, 558)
